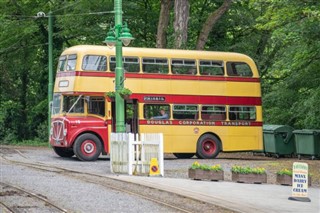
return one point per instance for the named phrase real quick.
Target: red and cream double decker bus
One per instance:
(212, 101)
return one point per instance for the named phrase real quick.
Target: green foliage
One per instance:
(35, 142)
(247, 170)
(124, 92)
(197, 165)
(281, 36)
(110, 94)
(291, 83)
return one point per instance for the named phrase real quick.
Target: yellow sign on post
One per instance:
(154, 167)
(300, 182)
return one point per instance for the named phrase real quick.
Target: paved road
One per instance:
(236, 196)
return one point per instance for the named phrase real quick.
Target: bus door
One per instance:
(131, 116)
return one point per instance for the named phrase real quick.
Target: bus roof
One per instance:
(157, 52)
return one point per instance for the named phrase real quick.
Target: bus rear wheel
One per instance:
(63, 152)
(183, 155)
(208, 146)
(87, 147)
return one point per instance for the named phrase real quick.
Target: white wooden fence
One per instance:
(131, 154)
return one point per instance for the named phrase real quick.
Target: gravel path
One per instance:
(83, 194)
(75, 195)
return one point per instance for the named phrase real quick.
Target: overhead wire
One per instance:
(66, 6)
(72, 14)
(28, 18)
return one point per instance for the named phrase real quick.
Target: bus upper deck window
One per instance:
(71, 63)
(155, 65)
(239, 69)
(130, 64)
(183, 66)
(62, 63)
(207, 67)
(94, 63)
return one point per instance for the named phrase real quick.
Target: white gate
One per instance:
(132, 156)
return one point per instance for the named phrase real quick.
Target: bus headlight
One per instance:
(64, 132)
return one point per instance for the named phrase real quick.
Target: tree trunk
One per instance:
(181, 13)
(163, 23)
(210, 22)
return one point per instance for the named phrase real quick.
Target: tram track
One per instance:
(5, 208)
(31, 201)
(170, 200)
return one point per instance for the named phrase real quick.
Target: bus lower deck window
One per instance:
(151, 111)
(242, 113)
(185, 112)
(96, 105)
(211, 112)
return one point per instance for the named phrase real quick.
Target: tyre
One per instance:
(208, 146)
(63, 152)
(183, 155)
(87, 147)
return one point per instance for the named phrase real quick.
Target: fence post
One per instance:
(131, 156)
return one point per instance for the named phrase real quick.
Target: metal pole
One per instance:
(50, 56)
(120, 127)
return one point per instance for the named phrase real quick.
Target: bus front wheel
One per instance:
(87, 147)
(183, 155)
(63, 152)
(208, 146)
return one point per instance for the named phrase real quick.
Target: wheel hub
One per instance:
(88, 148)
(209, 147)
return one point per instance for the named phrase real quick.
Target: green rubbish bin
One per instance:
(278, 140)
(307, 142)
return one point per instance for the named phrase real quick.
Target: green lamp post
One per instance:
(50, 61)
(115, 37)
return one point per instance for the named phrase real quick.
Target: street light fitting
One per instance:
(41, 14)
(110, 40)
(126, 36)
